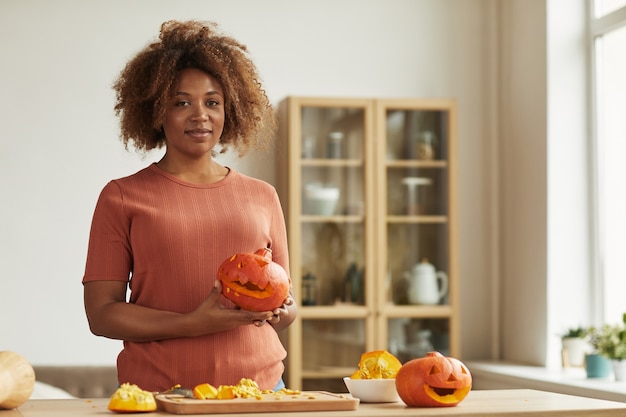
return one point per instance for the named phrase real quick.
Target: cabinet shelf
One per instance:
(407, 163)
(395, 311)
(312, 218)
(331, 312)
(395, 173)
(417, 219)
(331, 162)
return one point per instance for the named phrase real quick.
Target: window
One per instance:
(608, 43)
(604, 7)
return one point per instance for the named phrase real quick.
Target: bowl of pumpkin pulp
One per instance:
(374, 380)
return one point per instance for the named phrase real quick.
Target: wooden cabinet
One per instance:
(368, 191)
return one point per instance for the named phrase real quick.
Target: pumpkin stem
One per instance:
(264, 252)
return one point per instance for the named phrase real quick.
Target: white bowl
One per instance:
(373, 390)
(320, 200)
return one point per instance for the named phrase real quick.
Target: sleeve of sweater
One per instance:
(109, 255)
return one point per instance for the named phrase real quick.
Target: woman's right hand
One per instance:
(110, 315)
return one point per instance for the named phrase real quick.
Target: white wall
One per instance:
(544, 205)
(523, 165)
(60, 146)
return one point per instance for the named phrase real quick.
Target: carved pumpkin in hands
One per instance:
(433, 381)
(253, 281)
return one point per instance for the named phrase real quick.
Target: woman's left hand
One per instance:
(282, 316)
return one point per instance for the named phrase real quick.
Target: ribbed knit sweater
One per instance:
(168, 237)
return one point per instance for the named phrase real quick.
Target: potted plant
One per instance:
(596, 364)
(610, 341)
(574, 346)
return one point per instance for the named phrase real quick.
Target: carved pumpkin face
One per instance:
(433, 381)
(253, 281)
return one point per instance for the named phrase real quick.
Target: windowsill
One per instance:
(572, 381)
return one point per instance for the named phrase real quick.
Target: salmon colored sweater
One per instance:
(167, 238)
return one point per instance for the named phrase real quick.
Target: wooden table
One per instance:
(493, 403)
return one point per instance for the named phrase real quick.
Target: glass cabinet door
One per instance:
(332, 169)
(415, 160)
(417, 203)
(330, 226)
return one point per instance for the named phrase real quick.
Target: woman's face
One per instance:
(194, 119)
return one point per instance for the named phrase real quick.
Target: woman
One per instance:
(164, 231)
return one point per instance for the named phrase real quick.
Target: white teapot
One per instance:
(426, 285)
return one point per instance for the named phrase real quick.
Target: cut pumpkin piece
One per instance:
(205, 392)
(129, 398)
(377, 364)
(226, 392)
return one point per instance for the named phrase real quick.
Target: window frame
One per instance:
(598, 26)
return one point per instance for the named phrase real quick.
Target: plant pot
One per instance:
(619, 369)
(597, 366)
(574, 350)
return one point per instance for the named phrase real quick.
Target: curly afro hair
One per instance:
(147, 81)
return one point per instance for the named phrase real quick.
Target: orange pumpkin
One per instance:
(253, 281)
(433, 381)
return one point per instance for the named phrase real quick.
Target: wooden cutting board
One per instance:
(270, 403)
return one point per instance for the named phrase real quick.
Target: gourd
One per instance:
(433, 381)
(17, 380)
(377, 364)
(253, 281)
